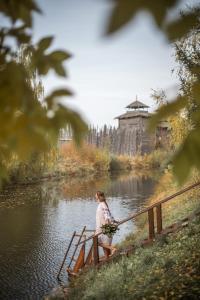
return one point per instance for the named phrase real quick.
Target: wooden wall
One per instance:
(127, 140)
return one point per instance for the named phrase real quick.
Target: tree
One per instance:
(177, 28)
(27, 124)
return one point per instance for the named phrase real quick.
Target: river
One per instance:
(37, 222)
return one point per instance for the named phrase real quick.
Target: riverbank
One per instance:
(167, 270)
(63, 162)
(70, 161)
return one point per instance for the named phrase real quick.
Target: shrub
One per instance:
(155, 159)
(86, 155)
(120, 162)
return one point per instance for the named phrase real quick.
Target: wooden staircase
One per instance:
(76, 263)
(86, 257)
(88, 247)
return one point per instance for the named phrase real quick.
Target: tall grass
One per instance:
(37, 166)
(86, 159)
(155, 159)
(57, 162)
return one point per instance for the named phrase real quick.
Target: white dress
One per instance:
(102, 215)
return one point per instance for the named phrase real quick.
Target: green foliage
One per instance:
(184, 28)
(109, 229)
(125, 11)
(180, 127)
(167, 109)
(185, 109)
(28, 121)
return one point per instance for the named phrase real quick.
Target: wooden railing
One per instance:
(93, 255)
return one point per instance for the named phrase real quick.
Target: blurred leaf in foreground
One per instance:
(28, 121)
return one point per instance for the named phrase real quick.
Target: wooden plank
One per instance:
(89, 256)
(95, 250)
(151, 224)
(159, 218)
(80, 260)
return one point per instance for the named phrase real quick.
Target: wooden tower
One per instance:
(137, 116)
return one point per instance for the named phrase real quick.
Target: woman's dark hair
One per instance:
(101, 196)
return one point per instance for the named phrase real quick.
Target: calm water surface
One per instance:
(36, 223)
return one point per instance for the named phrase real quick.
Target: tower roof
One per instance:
(137, 104)
(134, 114)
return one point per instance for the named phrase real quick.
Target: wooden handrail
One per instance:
(147, 209)
(65, 256)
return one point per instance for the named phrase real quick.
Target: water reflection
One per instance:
(37, 222)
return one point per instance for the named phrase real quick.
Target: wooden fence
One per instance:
(117, 141)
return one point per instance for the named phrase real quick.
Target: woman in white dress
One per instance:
(103, 216)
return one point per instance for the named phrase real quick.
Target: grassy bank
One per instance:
(170, 269)
(167, 270)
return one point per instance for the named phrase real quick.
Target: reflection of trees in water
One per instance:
(127, 185)
(119, 185)
(85, 188)
(131, 186)
(73, 188)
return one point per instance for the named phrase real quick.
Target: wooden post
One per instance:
(95, 250)
(159, 218)
(151, 224)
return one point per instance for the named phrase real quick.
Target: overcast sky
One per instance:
(105, 73)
